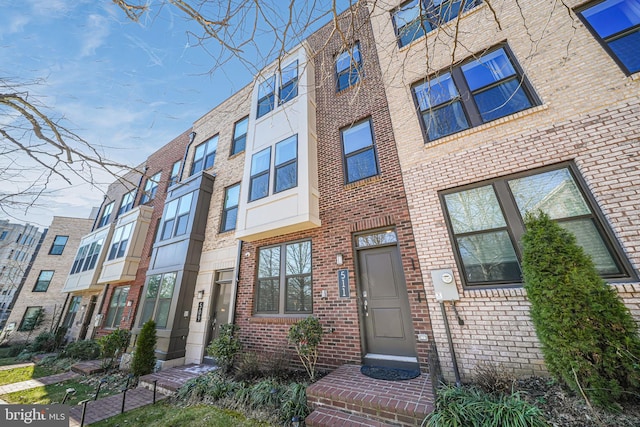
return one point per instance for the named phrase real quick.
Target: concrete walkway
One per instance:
(38, 382)
(17, 365)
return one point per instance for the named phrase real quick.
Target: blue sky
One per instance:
(128, 87)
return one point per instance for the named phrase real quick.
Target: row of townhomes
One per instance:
(375, 177)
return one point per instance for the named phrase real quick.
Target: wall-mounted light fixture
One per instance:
(129, 303)
(339, 259)
(247, 254)
(201, 294)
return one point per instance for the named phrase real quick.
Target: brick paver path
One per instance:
(25, 385)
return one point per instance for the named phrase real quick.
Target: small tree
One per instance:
(589, 339)
(113, 345)
(144, 356)
(306, 335)
(225, 347)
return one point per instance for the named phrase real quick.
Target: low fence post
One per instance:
(84, 411)
(155, 386)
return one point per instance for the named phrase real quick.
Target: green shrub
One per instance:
(112, 345)
(493, 378)
(471, 407)
(265, 394)
(589, 339)
(82, 350)
(295, 403)
(45, 342)
(225, 347)
(248, 366)
(306, 335)
(144, 356)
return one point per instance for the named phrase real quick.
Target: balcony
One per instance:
(125, 248)
(87, 265)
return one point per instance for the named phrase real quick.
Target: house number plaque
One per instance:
(343, 283)
(199, 312)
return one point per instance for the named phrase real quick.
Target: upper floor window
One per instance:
(44, 279)
(348, 67)
(239, 136)
(106, 215)
(478, 91)
(116, 307)
(259, 181)
(284, 279)
(486, 224)
(127, 203)
(415, 18)
(360, 160)
(3, 235)
(87, 257)
(119, 241)
(175, 171)
(288, 83)
(266, 97)
(151, 188)
(286, 164)
(230, 209)
(205, 155)
(57, 247)
(157, 300)
(616, 23)
(176, 217)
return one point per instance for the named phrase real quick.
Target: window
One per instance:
(286, 164)
(87, 257)
(19, 236)
(360, 159)
(119, 241)
(239, 136)
(176, 217)
(44, 279)
(288, 83)
(175, 171)
(616, 24)
(126, 204)
(205, 155)
(284, 279)
(79, 261)
(486, 224)
(151, 188)
(4, 235)
(266, 96)
(31, 319)
(74, 305)
(259, 181)
(106, 215)
(477, 92)
(157, 300)
(58, 245)
(348, 67)
(414, 19)
(116, 307)
(230, 210)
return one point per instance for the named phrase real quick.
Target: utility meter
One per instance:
(444, 286)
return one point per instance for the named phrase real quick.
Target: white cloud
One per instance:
(96, 33)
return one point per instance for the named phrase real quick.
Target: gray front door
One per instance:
(385, 310)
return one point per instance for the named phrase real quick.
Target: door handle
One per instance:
(366, 307)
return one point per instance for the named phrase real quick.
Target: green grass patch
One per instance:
(25, 373)
(54, 393)
(166, 415)
(5, 361)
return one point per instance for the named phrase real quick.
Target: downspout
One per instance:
(192, 137)
(456, 372)
(234, 289)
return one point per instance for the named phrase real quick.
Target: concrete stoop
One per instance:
(170, 380)
(346, 397)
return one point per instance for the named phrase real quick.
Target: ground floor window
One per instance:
(116, 307)
(157, 301)
(284, 279)
(31, 319)
(486, 223)
(71, 313)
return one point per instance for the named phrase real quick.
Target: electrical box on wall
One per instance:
(444, 285)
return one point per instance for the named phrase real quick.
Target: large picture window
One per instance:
(616, 24)
(205, 155)
(348, 67)
(157, 300)
(360, 160)
(151, 188)
(486, 224)
(284, 279)
(116, 307)
(176, 217)
(230, 209)
(44, 280)
(478, 91)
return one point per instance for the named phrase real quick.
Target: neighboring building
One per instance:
(535, 111)
(41, 296)
(18, 245)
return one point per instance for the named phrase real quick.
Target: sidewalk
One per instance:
(38, 382)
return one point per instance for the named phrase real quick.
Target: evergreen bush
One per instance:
(589, 339)
(82, 350)
(144, 356)
(225, 347)
(113, 345)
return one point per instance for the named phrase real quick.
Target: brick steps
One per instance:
(346, 397)
(169, 380)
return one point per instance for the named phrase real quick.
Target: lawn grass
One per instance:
(25, 373)
(167, 415)
(8, 361)
(54, 393)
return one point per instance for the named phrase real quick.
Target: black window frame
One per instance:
(227, 209)
(175, 172)
(106, 215)
(40, 282)
(372, 147)
(239, 142)
(290, 87)
(259, 174)
(58, 248)
(515, 224)
(4, 234)
(151, 188)
(119, 241)
(604, 41)
(277, 167)
(465, 96)
(266, 100)
(170, 225)
(126, 207)
(355, 70)
(121, 293)
(155, 302)
(208, 158)
(39, 313)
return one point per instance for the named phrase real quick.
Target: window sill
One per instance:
(635, 76)
(278, 319)
(363, 182)
(485, 126)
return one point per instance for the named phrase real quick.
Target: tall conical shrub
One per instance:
(589, 339)
(144, 356)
